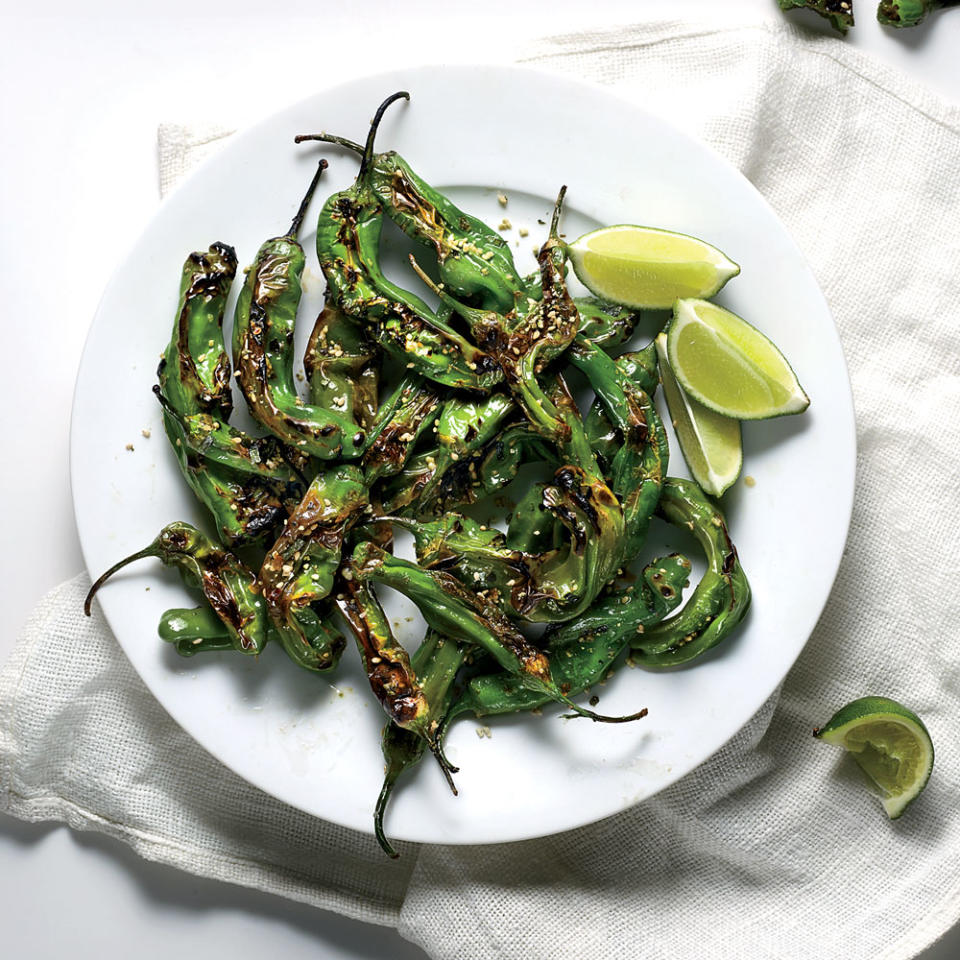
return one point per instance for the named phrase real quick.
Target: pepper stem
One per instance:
(445, 765)
(557, 207)
(598, 717)
(374, 124)
(330, 138)
(305, 202)
(150, 551)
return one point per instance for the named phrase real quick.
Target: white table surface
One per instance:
(80, 99)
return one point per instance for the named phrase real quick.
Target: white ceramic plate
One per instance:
(314, 742)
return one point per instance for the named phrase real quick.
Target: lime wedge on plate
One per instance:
(890, 743)
(710, 443)
(730, 366)
(645, 268)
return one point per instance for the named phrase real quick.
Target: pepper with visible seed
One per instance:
(229, 587)
(392, 677)
(341, 365)
(605, 325)
(473, 260)
(404, 417)
(194, 372)
(721, 598)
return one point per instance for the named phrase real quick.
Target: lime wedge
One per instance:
(890, 743)
(710, 443)
(645, 268)
(729, 366)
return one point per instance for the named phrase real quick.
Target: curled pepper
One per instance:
(473, 260)
(721, 598)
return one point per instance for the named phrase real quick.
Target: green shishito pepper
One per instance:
(473, 260)
(721, 599)
(348, 241)
(194, 372)
(638, 466)
(395, 682)
(245, 483)
(298, 570)
(405, 415)
(263, 333)
(583, 651)
(452, 609)
(435, 663)
(342, 367)
(229, 587)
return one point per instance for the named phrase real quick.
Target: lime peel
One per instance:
(710, 443)
(889, 742)
(728, 365)
(648, 268)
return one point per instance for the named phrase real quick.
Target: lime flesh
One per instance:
(889, 742)
(729, 366)
(710, 443)
(646, 268)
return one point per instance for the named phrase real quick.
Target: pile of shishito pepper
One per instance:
(412, 416)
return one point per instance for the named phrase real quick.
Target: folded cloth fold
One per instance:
(772, 848)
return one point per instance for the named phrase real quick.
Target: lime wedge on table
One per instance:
(890, 743)
(645, 268)
(710, 443)
(730, 366)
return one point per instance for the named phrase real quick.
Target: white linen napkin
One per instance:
(773, 848)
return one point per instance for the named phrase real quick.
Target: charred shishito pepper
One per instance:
(452, 609)
(638, 467)
(435, 663)
(583, 651)
(348, 246)
(721, 598)
(473, 260)
(298, 572)
(393, 679)
(247, 484)
(342, 367)
(263, 345)
(229, 587)
(404, 416)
